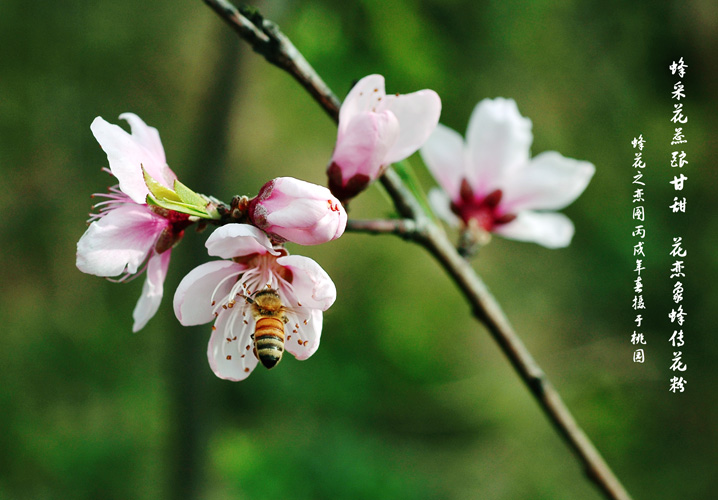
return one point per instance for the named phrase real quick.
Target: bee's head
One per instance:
(268, 292)
(267, 299)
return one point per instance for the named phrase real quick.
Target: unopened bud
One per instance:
(298, 211)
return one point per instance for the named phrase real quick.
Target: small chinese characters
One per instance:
(678, 160)
(638, 214)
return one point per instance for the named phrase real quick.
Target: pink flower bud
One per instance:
(376, 130)
(298, 211)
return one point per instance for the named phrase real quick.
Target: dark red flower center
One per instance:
(484, 210)
(344, 190)
(173, 233)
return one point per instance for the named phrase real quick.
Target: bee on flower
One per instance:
(258, 291)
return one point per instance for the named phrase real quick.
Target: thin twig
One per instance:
(266, 39)
(404, 228)
(276, 48)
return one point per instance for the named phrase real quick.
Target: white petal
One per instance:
(362, 97)
(498, 140)
(441, 204)
(549, 182)
(551, 230)
(127, 155)
(363, 145)
(444, 155)
(205, 283)
(238, 240)
(418, 114)
(311, 285)
(120, 241)
(231, 359)
(303, 342)
(149, 138)
(152, 290)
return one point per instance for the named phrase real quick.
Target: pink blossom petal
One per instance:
(231, 359)
(499, 140)
(362, 147)
(120, 241)
(151, 290)
(127, 155)
(286, 189)
(211, 281)
(301, 213)
(441, 204)
(418, 114)
(549, 182)
(306, 229)
(308, 223)
(238, 240)
(311, 285)
(302, 340)
(149, 138)
(445, 157)
(551, 230)
(361, 98)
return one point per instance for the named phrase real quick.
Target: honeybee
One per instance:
(270, 316)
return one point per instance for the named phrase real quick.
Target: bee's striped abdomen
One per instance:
(269, 340)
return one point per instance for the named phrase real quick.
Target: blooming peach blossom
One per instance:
(127, 236)
(489, 180)
(221, 290)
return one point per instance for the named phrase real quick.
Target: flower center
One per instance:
(172, 234)
(267, 263)
(345, 189)
(262, 273)
(484, 211)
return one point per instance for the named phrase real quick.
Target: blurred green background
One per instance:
(89, 410)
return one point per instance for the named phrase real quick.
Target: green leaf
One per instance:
(157, 190)
(178, 207)
(408, 177)
(182, 199)
(188, 196)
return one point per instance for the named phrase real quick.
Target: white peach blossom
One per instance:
(489, 179)
(219, 290)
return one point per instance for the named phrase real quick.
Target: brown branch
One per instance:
(276, 48)
(265, 38)
(404, 228)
